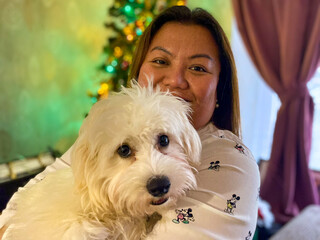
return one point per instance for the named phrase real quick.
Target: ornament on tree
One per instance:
(129, 18)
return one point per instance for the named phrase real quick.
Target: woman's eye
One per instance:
(124, 151)
(163, 140)
(159, 61)
(198, 69)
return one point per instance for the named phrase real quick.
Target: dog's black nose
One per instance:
(158, 185)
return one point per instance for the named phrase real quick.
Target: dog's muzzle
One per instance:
(158, 185)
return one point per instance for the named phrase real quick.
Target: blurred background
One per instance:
(51, 52)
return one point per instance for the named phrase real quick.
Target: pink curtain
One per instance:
(283, 40)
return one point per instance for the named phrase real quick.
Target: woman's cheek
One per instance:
(142, 79)
(142, 82)
(144, 75)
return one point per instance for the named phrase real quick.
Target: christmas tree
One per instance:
(129, 20)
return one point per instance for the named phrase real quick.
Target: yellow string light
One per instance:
(127, 58)
(127, 30)
(130, 37)
(118, 52)
(181, 3)
(139, 23)
(104, 89)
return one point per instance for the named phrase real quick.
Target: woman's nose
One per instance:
(176, 79)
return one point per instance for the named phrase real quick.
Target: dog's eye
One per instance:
(124, 151)
(163, 140)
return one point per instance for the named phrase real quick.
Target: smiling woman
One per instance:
(184, 60)
(179, 44)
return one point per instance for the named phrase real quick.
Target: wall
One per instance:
(49, 51)
(220, 9)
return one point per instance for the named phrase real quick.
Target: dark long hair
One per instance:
(227, 115)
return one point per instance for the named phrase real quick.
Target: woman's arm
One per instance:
(2, 230)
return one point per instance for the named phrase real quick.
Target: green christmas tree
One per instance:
(129, 20)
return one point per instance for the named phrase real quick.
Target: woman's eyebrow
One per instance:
(201, 56)
(162, 49)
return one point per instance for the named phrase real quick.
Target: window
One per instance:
(314, 88)
(259, 106)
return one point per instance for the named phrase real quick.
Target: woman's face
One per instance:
(184, 59)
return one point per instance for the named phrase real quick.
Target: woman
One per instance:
(188, 54)
(228, 116)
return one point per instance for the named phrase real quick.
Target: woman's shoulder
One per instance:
(219, 143)
(211, 131)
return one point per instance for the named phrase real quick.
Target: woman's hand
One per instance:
(2, 231)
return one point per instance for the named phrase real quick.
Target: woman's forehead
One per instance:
(176, 38)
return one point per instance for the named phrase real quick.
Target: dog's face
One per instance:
(135, 152)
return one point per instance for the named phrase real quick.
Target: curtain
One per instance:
(283, 40)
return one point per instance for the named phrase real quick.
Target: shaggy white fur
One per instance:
(134, 157)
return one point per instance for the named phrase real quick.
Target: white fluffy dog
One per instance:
(134, 157)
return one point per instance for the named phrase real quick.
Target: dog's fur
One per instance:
(103, 195)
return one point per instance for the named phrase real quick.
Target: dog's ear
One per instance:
(82, 163)
(84, 152)
(86, 180)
